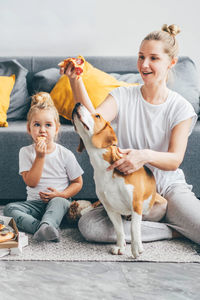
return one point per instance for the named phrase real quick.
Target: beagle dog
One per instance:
(133, 194)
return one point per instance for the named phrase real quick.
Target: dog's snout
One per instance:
(75, 110)
(77, 105)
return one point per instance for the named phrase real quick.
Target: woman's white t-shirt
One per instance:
(141, 125)
(59, 169)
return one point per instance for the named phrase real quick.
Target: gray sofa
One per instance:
(34, 74)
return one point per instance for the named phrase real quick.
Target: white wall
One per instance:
(93, 27)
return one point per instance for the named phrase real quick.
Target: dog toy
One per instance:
(77, 209)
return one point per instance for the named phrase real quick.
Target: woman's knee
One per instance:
(183, 212)
(95, 226)
(85, 227)
(182, 203)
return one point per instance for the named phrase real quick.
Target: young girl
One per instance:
(50, 171)
(153, 125)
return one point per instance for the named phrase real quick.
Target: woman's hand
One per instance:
(131, 161)
(46, 197)
(69, 71)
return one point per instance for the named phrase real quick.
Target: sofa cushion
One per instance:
(45, 80)
(98, 84)
(6, 86)
(19, 98)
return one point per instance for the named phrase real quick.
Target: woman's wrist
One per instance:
(147, 156)
(74, 81)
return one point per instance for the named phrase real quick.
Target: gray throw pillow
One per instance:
(184, 80)
(19, 98)
(45, 80)
(128, 77)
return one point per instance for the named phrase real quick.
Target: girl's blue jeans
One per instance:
(29, 215)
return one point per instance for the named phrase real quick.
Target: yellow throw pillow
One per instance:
(6, 86)
(98, 85)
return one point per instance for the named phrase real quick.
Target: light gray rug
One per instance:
(73, 247)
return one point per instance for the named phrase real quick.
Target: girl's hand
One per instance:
(131, 161)
(41, 148)
(46, 197)
(69, 71)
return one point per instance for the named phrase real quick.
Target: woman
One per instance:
(153, 125)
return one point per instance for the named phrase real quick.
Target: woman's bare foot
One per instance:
(176, 234)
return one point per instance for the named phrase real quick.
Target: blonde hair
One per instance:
(166, 35)
(42, 101)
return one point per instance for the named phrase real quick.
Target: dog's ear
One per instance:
(105, 138)
(81, 146)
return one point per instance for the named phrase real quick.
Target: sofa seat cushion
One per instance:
(13, 138)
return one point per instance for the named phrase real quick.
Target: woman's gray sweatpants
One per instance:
(29, 215)
(183, 214)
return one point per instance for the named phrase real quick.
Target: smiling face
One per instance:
(153, 63)
(42, 124)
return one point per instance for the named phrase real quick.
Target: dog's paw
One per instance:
(116, 250)
(136, 249)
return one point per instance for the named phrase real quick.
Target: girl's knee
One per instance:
(57, 199)
(61, 201)
(8, 209)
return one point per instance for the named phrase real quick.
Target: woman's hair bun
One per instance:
(171, 29)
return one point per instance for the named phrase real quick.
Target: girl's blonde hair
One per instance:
(42, 101)
(166, 35)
